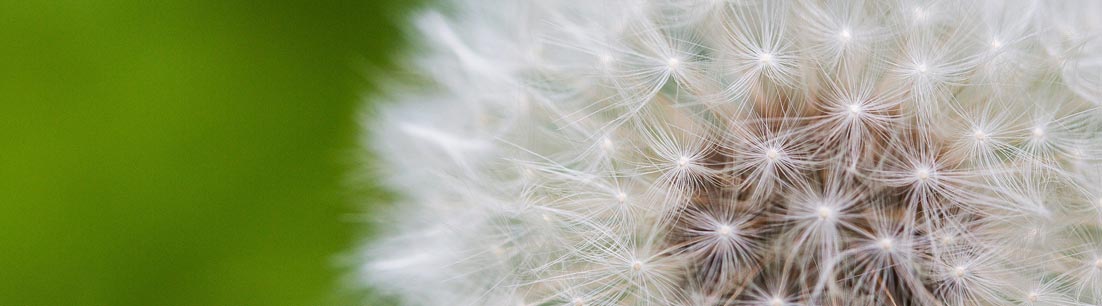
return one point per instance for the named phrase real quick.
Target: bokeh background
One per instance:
(184, 152)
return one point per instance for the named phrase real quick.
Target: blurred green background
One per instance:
(182, 152)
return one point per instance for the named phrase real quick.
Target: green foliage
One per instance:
(182, 152)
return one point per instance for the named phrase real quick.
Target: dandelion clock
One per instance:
(724, 152)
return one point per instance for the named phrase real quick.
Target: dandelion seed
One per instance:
(922, 174)
(959, 271)
(772, 154)
(766, 58)
(980, 135)
(724, 230)
(886, 244)
(825, 213)
(855, 109)
(1038, 132)
(606, 144)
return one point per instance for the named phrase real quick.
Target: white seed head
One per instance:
(775, 153)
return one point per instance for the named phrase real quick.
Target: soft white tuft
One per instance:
(745, 152)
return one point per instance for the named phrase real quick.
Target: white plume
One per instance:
(737, 152)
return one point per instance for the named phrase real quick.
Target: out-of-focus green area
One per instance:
(181, 152)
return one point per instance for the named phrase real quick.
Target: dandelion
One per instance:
(744, 152)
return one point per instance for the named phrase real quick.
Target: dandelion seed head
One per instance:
(700, 152)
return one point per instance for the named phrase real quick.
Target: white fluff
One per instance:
(737, 152)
